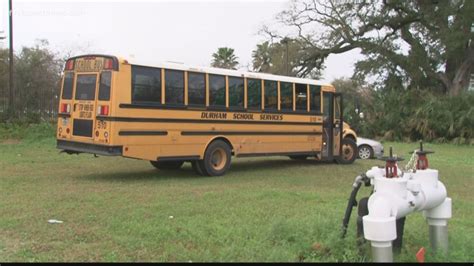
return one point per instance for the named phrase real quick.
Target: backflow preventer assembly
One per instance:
(397, 194)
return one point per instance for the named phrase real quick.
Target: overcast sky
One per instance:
(153, 31)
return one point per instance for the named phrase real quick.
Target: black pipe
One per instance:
(352, 202)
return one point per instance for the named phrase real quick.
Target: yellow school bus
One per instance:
(171, 113)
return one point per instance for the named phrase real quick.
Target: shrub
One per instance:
(415, 115)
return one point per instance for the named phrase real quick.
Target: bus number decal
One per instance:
(101, 124)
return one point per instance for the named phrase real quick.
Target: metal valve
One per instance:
(422, 161)
(391, 164)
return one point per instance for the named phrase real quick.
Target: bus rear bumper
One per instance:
(79, 147)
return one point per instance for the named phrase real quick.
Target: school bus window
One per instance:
(286, 96)
(85, 87)
(301, 97)
(271, 94)
(196, 89)
(315, 98)
(67, 87)
(236, 92)
(217, 90)
(174, 87)
(104, 86)
(254, 94)
(146, 85)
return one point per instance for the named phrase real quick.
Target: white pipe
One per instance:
(437, 219)
(394, 198)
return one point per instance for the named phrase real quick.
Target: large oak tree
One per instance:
(420, 43)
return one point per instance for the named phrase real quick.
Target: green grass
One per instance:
(264, 209)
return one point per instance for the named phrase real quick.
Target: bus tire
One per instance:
(197, 167)
(216, 158)
(167, 165)
(349, 152)
(298, 157)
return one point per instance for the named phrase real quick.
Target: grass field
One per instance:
(264, 209)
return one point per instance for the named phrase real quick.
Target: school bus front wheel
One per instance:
(349, 151)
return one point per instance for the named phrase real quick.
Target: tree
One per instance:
(281, 58)
(411, 44)
(358, 100)
(37, 82)
(262, 57)
(3, 79)
(38, 73)
(224, 58)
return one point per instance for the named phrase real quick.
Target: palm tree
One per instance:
(224, 58)
(262, 57)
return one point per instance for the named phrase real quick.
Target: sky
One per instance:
(153, 31)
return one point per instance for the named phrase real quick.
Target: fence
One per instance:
(30, 102)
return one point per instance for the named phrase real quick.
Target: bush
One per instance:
(414, 115)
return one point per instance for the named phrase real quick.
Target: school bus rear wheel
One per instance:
(216, 159)
(167, 165)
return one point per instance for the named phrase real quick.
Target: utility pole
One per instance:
(285, 41)
(3, 92)
(10, 60)
(287, 56)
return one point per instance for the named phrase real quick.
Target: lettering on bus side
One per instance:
(214, 115)
(242, 116)
(271, 117)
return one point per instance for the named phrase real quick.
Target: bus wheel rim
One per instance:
(347, 152)
(218, 159)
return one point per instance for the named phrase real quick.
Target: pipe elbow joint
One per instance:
(373, 172)
(379, 206)
(379, 229)
(439, 215)
(379, 225)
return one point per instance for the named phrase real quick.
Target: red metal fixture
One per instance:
(422, 161)
(391, 165)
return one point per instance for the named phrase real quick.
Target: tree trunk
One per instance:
(462, 76)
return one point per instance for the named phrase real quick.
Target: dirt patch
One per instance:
(10, 141)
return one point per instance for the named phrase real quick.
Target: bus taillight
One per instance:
(70, 64)
(103, 110)
(108, 63)
(65, 108)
